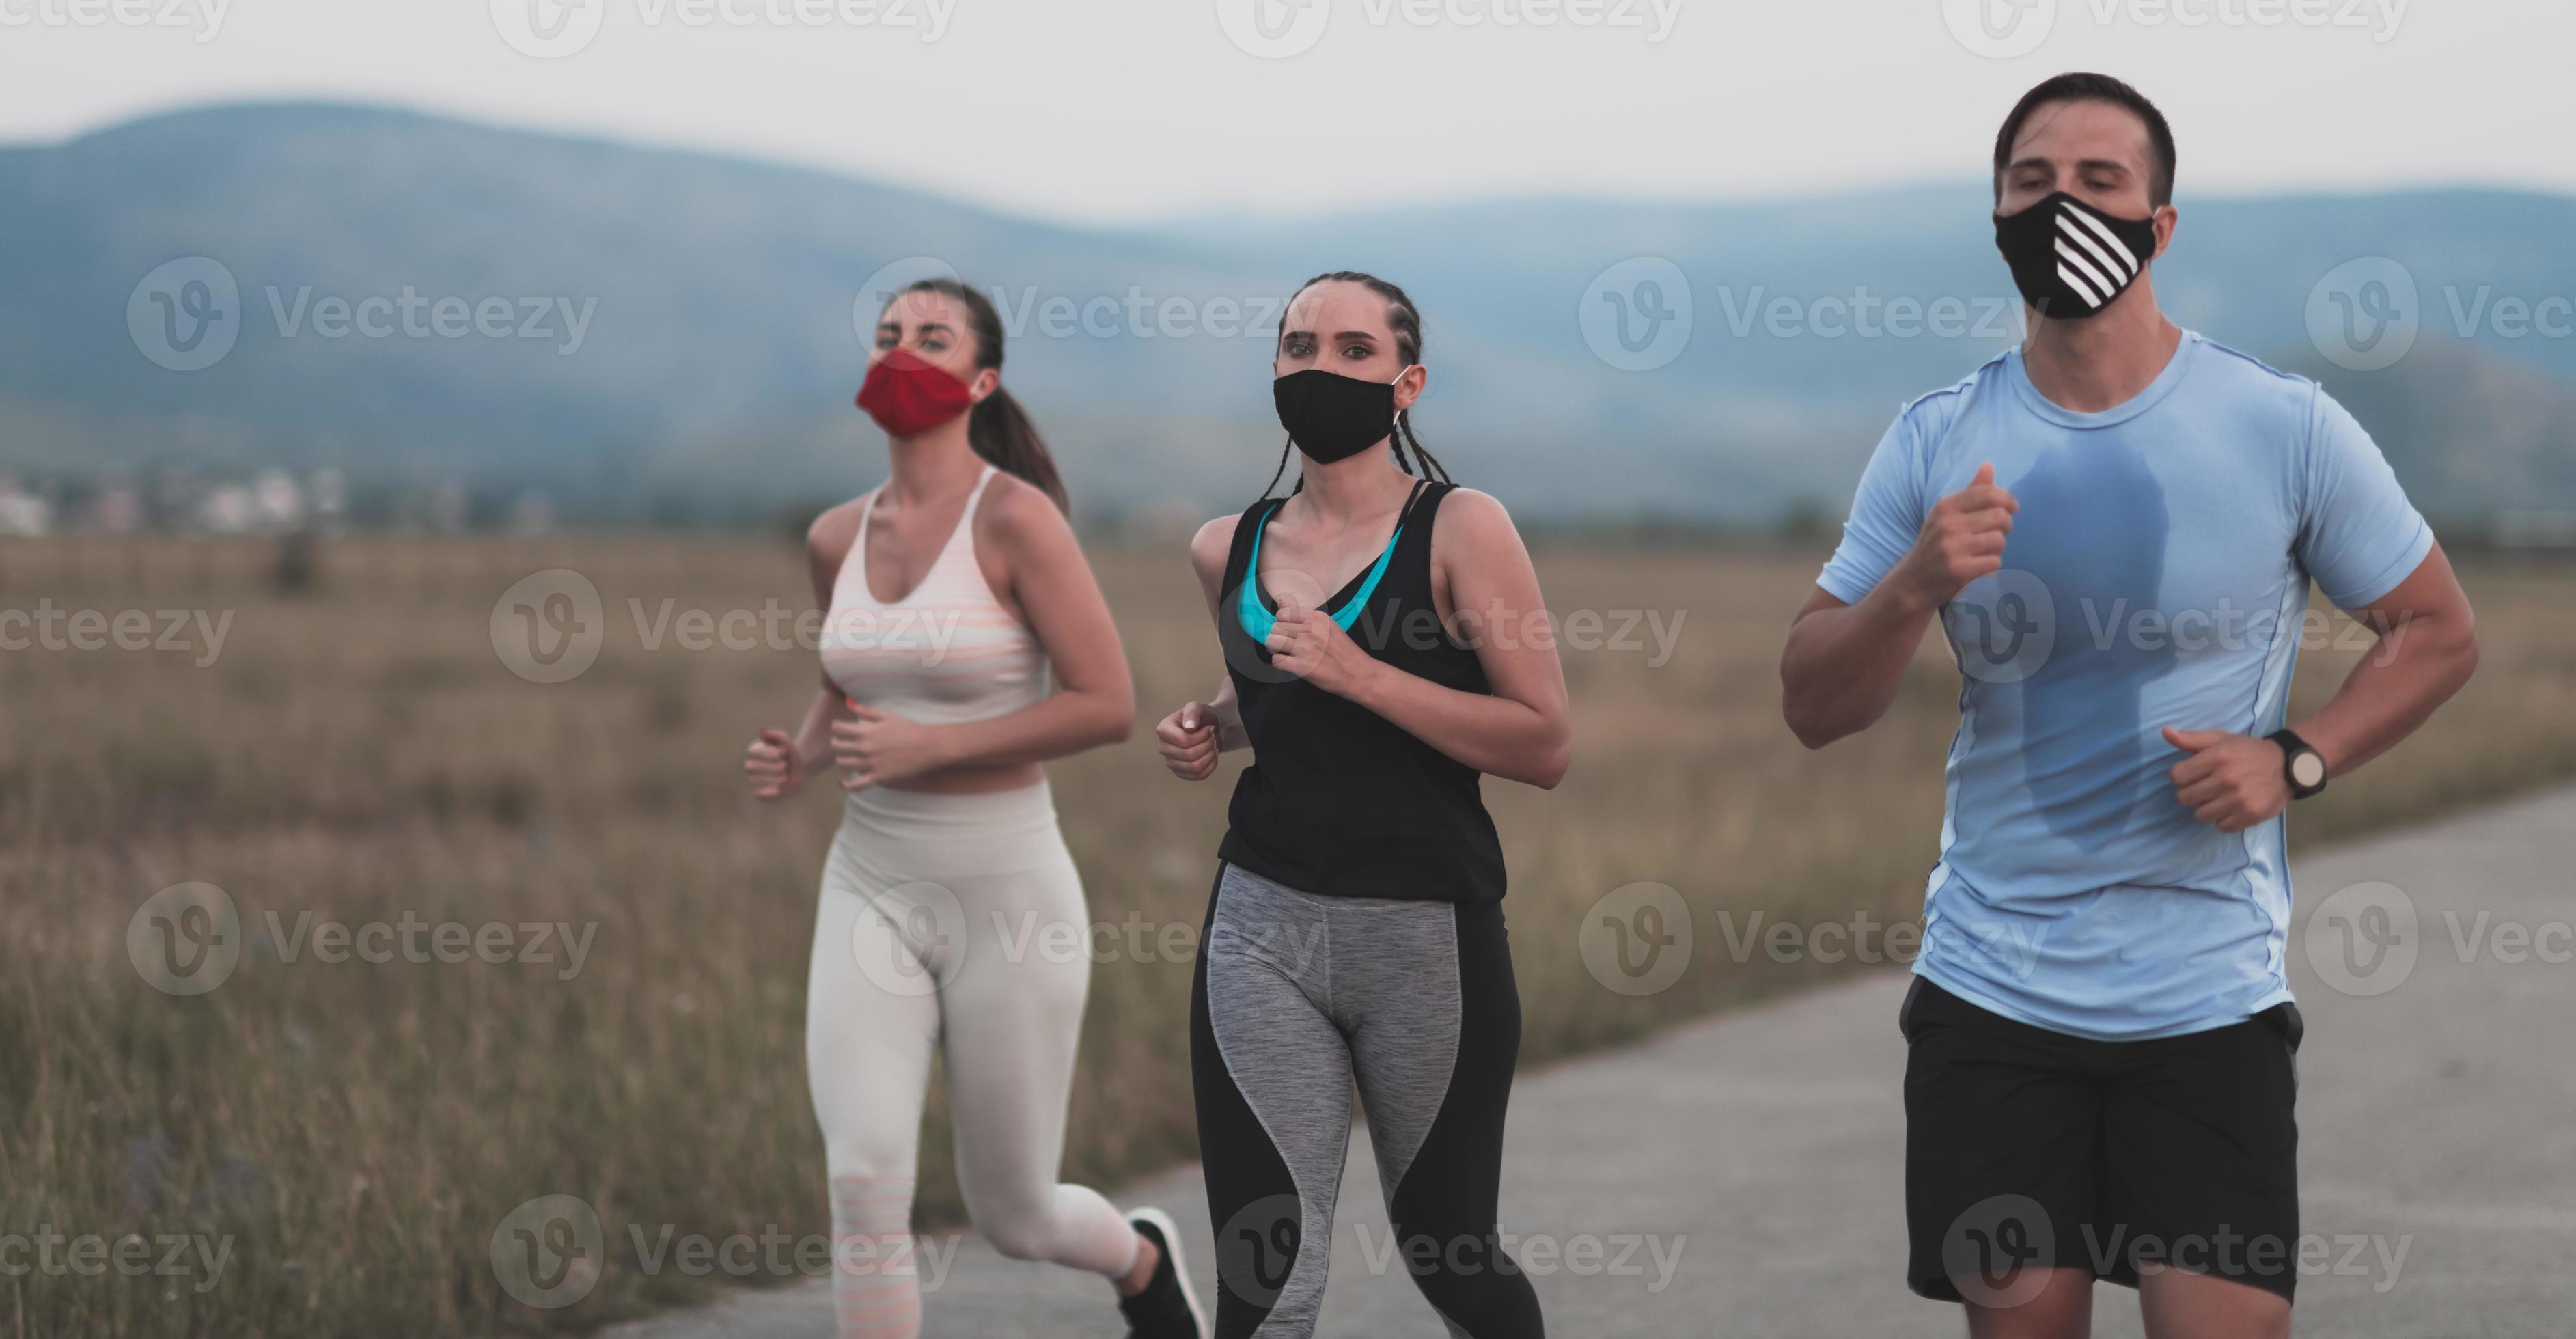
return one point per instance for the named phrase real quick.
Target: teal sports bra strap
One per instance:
(1256, 617)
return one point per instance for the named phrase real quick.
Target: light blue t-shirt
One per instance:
(2157, 574)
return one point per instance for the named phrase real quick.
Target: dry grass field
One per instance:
(347, 1136)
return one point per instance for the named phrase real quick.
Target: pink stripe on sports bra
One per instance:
(944, 653)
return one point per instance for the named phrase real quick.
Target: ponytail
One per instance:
(1003, 435)
(1000, 431)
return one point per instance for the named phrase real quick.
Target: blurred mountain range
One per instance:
(655, 333)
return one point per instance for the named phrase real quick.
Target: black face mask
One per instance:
(1332, 416)
(2069, 259)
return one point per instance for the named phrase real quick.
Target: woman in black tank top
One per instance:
(1339, 799)
(1386, 648)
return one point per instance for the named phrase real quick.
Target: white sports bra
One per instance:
(947, 652)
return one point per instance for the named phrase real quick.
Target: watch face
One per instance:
(2307, 769)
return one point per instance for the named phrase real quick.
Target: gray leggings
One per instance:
(1298, 995)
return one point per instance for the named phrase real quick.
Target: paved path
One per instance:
(2439, 1117)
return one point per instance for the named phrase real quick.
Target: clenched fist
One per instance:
(2230, 781)
(1187, 740)
(880, 746)
(773, 766)
(1962, 540)
(1310, 645)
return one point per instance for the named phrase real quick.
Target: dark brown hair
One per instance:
(1000, 431)
(1406, 321)
(2094, 88)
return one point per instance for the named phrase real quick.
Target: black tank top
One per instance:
(1338, 800)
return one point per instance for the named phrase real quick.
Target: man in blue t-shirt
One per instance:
(2117, 524)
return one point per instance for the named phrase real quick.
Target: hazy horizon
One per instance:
(1255, 212)
(1076, 116)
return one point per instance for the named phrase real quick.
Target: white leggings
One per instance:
(933, 931)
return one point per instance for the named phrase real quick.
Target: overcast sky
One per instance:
(1116, 110)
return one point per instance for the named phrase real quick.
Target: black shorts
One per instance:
(2026, 1148)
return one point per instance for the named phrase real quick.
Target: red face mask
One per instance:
(908, 397)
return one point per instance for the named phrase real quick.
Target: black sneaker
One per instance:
(1166, 1309)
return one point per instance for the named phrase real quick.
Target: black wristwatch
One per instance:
(2304, 766)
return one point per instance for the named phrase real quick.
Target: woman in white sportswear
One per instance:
(955, 592)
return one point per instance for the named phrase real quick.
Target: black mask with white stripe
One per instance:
(2070, 259)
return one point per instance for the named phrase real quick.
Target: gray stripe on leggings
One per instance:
(1307, 993)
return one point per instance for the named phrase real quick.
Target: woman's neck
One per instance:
(938, 463)
(1356, 487)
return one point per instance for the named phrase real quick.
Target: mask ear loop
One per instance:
(1395, 432)
(1399, 380)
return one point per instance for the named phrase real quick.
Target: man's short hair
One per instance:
(2095, 88)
